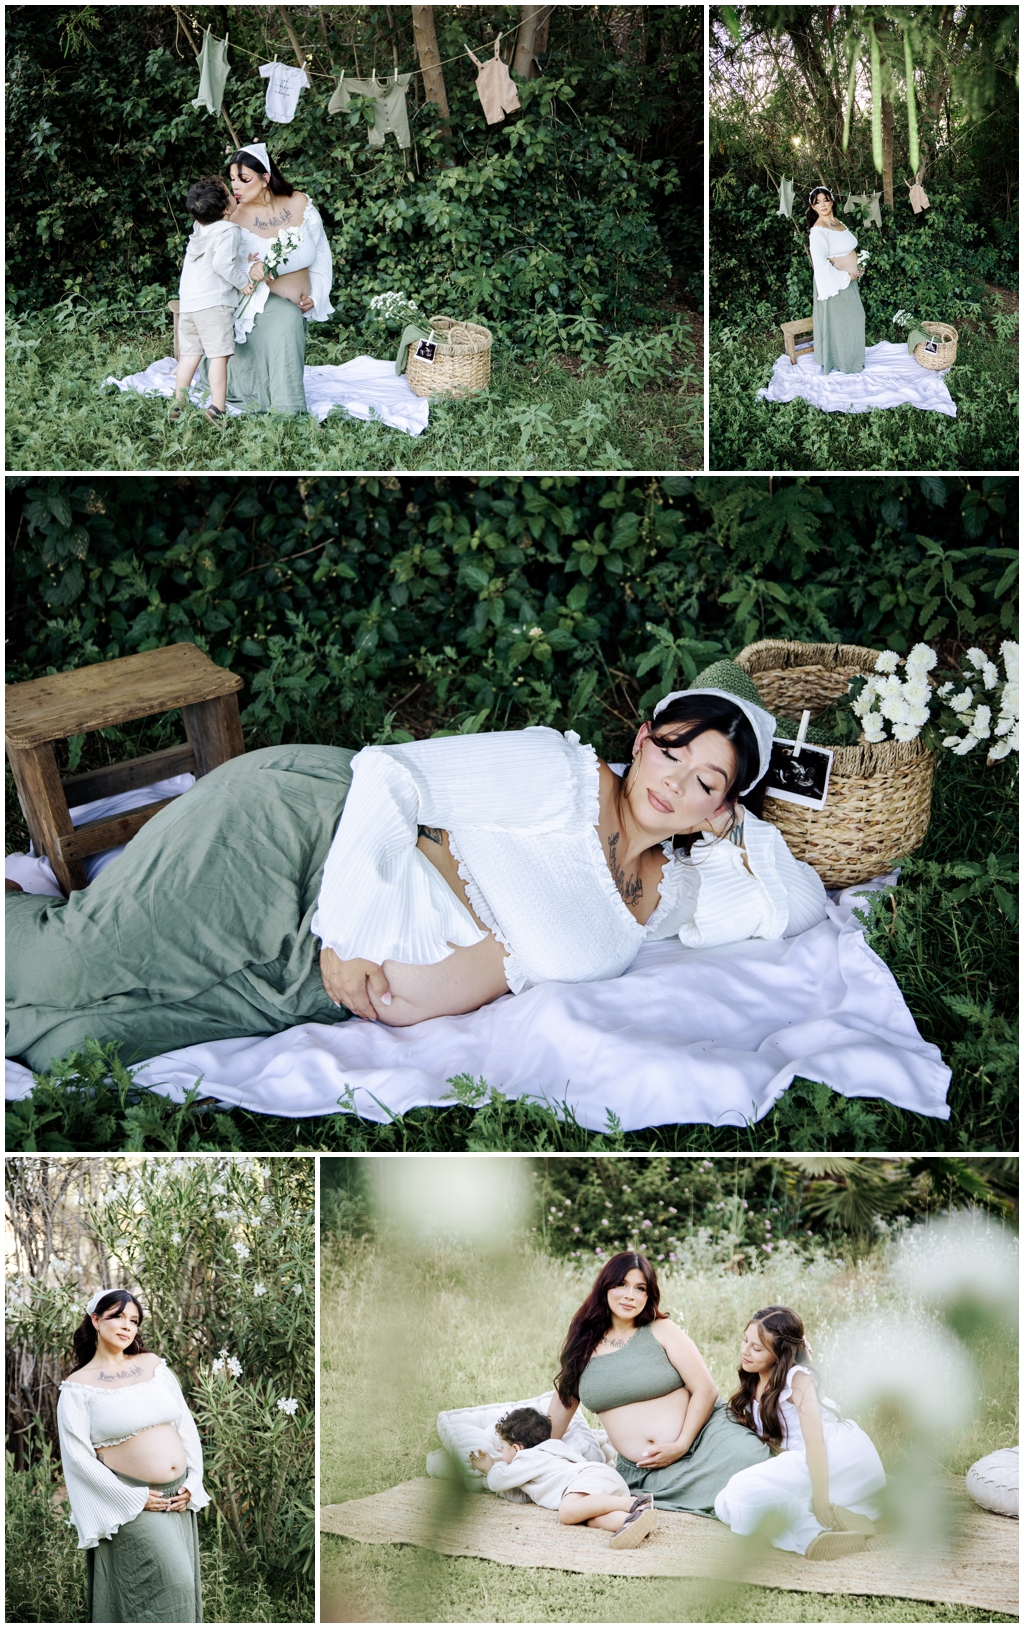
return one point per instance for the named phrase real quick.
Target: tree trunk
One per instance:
(430, 61)
(528, 47)
(292, 36)
(540, 44)
(887, 131)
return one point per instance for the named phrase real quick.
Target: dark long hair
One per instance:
(812, 218)
(783, 1333)
(588, 1327)
(276, 184)
(688, 717)
(84, 1338)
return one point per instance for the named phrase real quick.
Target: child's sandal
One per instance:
(212, 413)
(174, 414)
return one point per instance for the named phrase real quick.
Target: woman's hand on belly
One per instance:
(471, 977)
(647, 1433)
(168, 1506)
(294, 286)
(659, 1455)
(360, 985)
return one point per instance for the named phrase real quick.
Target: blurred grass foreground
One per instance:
(450, 1282)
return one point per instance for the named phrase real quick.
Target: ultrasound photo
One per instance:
(802, 779)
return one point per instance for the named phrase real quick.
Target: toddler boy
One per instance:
(558, 1477)
(215, 272)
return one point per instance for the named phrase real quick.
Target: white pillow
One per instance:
(994, 1482)
(467, 1430)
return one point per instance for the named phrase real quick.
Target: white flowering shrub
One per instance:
(988, 707)
(891, 708)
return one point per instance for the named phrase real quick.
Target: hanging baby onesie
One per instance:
(786, 198)
(390, 113)
(494, 86)
(918, 197)
(283, 90)
(213, 73)
(868, 201)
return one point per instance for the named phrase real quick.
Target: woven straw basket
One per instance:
(945, 356)
(879, 797)
(461, 364)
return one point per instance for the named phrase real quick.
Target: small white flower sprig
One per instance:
(904, 319)
(228, 1363)
(885, 699)
(394, 306)
(1002, 696)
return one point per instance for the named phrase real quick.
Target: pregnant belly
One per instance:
(156, 1455)
(634, 1429)
(846, 262)
(291, 285)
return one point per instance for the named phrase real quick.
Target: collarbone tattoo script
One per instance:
(612, 1339)
(122, 1373)
(275, 220)
(631, 888)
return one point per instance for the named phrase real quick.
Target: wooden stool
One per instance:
(113, 692)
(790, 330)
(172, 306)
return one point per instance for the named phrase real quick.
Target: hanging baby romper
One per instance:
(390, 113)
(868, 201)
(786, 198)
(918, 197)
(495, 87)
(213, 73)
(283, 90)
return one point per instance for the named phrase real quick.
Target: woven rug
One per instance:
(982, 1572)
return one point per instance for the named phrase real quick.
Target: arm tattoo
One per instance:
(433, 833)
(630, 888)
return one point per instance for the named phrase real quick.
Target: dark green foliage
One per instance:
(579, 208)
(361, 609)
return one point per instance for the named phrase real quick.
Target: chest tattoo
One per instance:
(610, 1339)
(433, 833)
(631, 888)
(122, 1373)
(275, 220)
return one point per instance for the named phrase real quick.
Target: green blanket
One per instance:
(199, 931)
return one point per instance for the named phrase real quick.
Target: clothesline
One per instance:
(318, 73)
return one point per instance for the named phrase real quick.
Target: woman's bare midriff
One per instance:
(470, 977)
(638, 1426)
(156, 1455)
(846, 262)
(291, 285)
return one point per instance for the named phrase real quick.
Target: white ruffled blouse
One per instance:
(521, 810)
(825, 244)
(88, 1417)
(313, 254)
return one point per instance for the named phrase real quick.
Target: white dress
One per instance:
(825, 245)
(88, 1417)
(521, 809)
(783, 1484)
(313, 255)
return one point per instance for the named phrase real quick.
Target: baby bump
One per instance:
(291, 285)
(638, 1426)
(156, 1455)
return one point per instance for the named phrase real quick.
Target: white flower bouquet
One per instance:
(394, 308)
(887, 700)
(276, 253)
(988, 706)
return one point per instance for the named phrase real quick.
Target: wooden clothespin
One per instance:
(801, 734)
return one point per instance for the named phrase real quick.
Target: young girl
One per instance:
(827, 1472)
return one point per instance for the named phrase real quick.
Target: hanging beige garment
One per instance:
(494, 86)
(918, 197)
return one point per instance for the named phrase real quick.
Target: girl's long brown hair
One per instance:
(587, 1328)
(783, 1333)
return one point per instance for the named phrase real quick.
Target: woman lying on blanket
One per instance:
(436, 876)
(629, 1363)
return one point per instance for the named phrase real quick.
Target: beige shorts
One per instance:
(206, 333)
(603, 1479)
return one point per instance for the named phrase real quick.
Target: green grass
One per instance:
(405, 1333)
(46, 1577)
(954, 958)
(535, 415)
(747, 433)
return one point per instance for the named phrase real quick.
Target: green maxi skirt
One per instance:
(199, 931)
(839, 332)
(149, 1570)
(694, 1481)
(265, 375)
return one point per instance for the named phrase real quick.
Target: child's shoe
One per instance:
(641, 1520)
(212, 413)
(835, 1545)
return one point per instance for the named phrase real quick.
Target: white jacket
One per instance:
(544, 1472)
(216, 267)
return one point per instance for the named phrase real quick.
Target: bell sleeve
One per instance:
(380, 898)
(186, 1428)
(720, 901)
(828, 280)
(321, 271)
(100, 1503)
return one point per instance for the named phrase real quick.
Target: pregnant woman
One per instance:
(303, 883)
(266, 372)
(133, 1468)
(838, 313)
(645, 1379)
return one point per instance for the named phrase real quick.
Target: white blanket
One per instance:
(364, 387)
(891, 377)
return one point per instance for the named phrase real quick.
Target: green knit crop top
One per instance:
(638, 1372)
